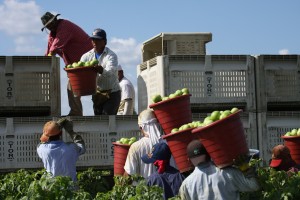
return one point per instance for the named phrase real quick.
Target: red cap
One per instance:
(279, 153)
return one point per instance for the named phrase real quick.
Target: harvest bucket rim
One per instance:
(216, 122)
(118, 144)
(177, 133)
(290, 137)
(168, 100)
(80, 68)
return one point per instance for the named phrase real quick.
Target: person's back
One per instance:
(59, 158)
(134, 164)
(209, 182)
(152, 132)
(127, 94)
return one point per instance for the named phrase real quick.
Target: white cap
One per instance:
(119, 68)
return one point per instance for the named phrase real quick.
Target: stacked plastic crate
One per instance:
(216, 82)
(278, 99)
(30, 96)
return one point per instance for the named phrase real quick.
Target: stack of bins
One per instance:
(278, 99)
(29, 96)
(216, 82)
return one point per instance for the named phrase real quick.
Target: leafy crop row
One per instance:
(92, 185)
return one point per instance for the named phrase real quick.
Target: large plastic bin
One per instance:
(29, 86)
(175, 44)
(19, 138)
(213, 80)
(271, 126)
(278, 82)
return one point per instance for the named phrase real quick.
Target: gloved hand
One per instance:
(61, 122)
(68, 126)
(242, 162)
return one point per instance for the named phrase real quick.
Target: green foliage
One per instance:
(275, 185)
(131, 188)
(15, 184)
(92, 181)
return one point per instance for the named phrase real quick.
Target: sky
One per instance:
(238, 28)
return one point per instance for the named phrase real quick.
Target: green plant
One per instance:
(131, 188)
(92, 181)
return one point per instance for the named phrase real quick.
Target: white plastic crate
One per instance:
(29, 86)
(212, 80)
(249, 124)
(278, 82)
(175, 44)
(19, 138)
(271, 126)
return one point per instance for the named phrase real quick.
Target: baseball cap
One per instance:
(196, 152)
(51, 128)
(279, 153)
(98, 33)
(160, 151)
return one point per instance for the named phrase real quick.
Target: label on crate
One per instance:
(10, 147)
(209, 80)
(9, 88)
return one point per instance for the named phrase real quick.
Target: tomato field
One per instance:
(94, 185)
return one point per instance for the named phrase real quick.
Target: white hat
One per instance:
(119, 68)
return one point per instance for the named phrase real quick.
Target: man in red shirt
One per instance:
(70, 42)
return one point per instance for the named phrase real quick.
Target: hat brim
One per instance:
(96, 37)
(197, 160)
(275, 162)
(51, 20)
(147, 160)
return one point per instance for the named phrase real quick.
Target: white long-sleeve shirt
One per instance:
(108, 80)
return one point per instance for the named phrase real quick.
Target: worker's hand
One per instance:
(242, 162)
(68, 126)
(61, 122)
(99, 69)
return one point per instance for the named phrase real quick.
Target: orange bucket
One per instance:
(173, 113)
(82, 80)
(120, 155)
(178, 142)
(224, 139)
(293, 143)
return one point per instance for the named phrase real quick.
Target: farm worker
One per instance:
(127, 94)
(282, 159)
(107, 99)
(210, 182)
(70, 42)
(152, 132)
(166, 176)
(60, 158)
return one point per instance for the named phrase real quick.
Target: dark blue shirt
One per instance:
(170, 181)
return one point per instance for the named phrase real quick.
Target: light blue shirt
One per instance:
(108, 80)
(60, 158)
(208, 182)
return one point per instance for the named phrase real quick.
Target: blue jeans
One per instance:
(109, 107)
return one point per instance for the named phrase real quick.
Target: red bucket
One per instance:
(293, 143)
(224, 139)
(82, 80)
(173, 113)
(178, 142)
(120, 155)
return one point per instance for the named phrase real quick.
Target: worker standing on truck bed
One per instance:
(70, 42)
